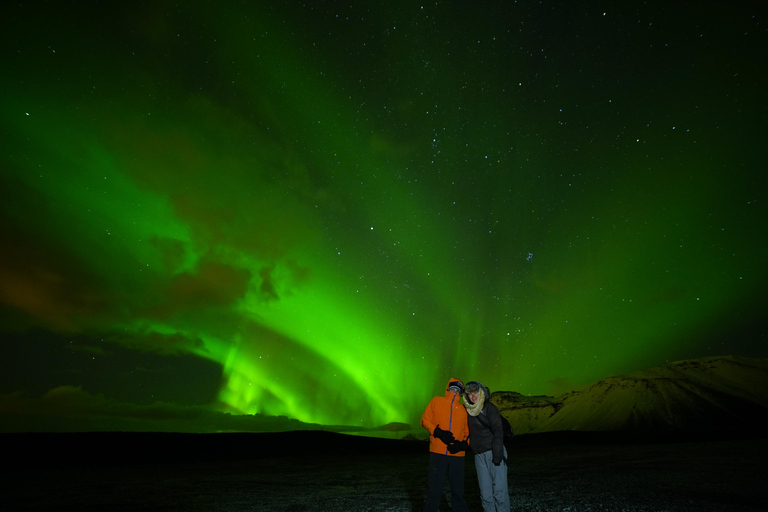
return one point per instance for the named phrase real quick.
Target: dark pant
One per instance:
(438, 465)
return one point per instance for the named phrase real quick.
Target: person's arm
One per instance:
(428, 418)
(428, 422)
(497, 444)
(466, 428)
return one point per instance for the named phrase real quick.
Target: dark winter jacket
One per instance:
(488, 434)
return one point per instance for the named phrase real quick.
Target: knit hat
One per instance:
(457, 385)
(473, 386)
(474, 408)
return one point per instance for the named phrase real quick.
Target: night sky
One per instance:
(325, 210)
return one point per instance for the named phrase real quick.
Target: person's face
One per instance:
(474, 396)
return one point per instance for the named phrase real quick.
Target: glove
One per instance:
(458, 446)
(444, 435)
(497, 463)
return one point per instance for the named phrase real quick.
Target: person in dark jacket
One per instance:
(487, 442)
(446, 421)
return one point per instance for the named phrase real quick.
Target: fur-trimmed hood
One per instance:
(474, 408)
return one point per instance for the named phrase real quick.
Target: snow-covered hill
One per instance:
(715, 392)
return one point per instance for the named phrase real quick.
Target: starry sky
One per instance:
(222, 212)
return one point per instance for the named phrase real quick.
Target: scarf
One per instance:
(473, 409)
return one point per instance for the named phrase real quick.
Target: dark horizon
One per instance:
(718, 394)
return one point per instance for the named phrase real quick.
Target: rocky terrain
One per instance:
(328, 472)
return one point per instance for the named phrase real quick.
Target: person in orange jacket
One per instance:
(445, 418)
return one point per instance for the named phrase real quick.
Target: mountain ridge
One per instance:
(712, 392)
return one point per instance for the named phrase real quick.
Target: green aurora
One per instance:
(325, 213)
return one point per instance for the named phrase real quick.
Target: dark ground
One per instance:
(321, 471)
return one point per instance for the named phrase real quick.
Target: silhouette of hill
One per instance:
(719, 393)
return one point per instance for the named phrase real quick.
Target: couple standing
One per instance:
(450, 424)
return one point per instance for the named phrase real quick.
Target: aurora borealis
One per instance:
(324, 211)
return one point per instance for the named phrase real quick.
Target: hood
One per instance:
(449, 394)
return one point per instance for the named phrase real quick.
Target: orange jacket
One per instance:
(448, 412)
